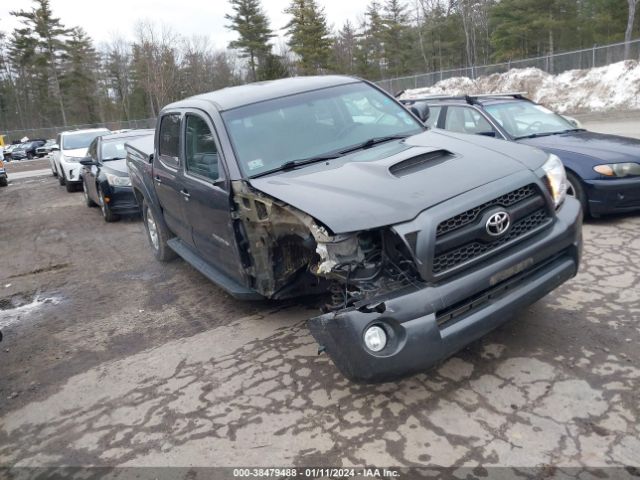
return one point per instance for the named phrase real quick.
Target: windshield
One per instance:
(80, 140)
(269, 134)
(521, 119)
(114, 149)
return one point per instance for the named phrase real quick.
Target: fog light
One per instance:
(375, 339)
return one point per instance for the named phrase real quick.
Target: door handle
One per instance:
(185, 194)
(157, 179)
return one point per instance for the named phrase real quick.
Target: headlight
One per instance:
(618, 169)
(118, 181)
(557, 178)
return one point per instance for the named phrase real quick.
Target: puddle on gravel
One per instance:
(15, 308)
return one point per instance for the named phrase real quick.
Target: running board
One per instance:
(216, 276)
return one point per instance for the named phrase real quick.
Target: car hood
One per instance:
(608, 148)
(76, 152)
(117, 166)
(359, 191)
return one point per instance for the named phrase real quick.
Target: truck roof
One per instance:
(234, 97)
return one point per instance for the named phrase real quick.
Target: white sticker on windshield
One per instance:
(257, 163)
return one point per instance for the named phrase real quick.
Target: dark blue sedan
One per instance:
(105, 177)
(603, 171)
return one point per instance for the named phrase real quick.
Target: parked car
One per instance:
(26, 150)
(4, 179)
(65, 162)
(105, 177)
(603, 171)
(7, 151)
(421, 241)
(46, 148)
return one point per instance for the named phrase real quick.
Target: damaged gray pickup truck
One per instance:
(421, 240)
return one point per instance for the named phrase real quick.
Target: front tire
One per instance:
(157, 234)
(576, 190)
(61, 180)
(107, 214)
(87, 199)
(4, 181)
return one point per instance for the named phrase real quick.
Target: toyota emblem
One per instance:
(498, 223)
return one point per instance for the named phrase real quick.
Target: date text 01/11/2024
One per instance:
(320, 472)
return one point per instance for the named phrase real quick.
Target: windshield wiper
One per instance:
(291, 164)
(373, 141)
(546, 134)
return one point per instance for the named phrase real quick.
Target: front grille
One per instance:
(469, 216)
(453, 258)
(464, 238)
(453, 313)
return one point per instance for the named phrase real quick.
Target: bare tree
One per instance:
(629, 31)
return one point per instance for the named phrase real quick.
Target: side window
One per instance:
(434, 113)
(466, 120)
(169, 139)
(201, 157)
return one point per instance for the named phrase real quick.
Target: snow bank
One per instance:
(614, 87)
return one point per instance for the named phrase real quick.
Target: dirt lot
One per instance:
(110, 358)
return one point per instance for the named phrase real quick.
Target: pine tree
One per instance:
(272, 68)
(41, 41)
(252, 26)
(309, 35)
(78, 82)
(370, 62)
(395, 37)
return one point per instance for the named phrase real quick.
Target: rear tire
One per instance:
(4, 181)
(157, 234)
(576, 190)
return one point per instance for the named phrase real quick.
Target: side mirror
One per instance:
(491, 134)
(87, 161)
(420, 110)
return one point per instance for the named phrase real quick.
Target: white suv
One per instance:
(65, 162)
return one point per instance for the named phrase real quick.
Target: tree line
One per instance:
(55, 75)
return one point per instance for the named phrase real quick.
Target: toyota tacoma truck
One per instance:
(421, 241)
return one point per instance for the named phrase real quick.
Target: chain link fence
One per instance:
(51, 132)
(597, 56)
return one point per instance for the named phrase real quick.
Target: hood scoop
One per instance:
(420, 162)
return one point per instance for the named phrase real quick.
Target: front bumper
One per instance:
(72, 171)
(121, 199)
(614, 195)
(426, 325)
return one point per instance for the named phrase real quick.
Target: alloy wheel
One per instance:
(152, 228)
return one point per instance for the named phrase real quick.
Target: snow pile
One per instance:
(614, 87)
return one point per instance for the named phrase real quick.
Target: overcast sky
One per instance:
(105, 19)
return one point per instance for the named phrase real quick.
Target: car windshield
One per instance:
(113, 150)
(522, 119)
(73, 141)
(270, 134)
